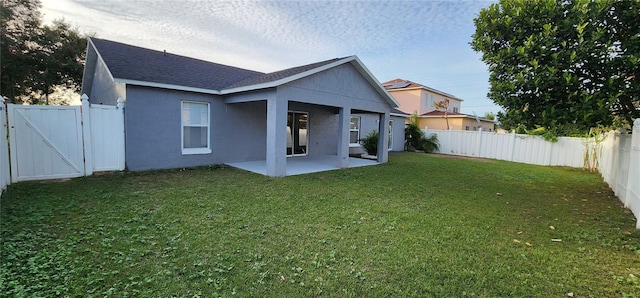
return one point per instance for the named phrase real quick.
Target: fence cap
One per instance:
(120, 102)
(84, 97)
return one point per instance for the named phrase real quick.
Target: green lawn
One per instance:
(420, 225)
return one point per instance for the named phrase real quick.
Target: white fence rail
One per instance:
(618, 161)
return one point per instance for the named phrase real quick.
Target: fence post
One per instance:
(512, 145)
(479, 150)
(86, 135)
(5, 173)
(632, 196)
(120, 128)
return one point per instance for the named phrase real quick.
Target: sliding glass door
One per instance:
(297, 133)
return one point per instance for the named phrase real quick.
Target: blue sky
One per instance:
(423, 41)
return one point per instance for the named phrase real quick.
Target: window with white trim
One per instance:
(195, 128)
(354, 131)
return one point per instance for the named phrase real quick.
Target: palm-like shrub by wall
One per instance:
(370, 143)
(416, 140)
(430, 143)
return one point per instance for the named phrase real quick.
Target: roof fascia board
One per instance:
(167, 86)
(95, 49)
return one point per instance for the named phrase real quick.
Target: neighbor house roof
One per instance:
(139, 66)
(402, 84)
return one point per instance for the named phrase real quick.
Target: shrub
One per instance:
(370, 143)
(416, 140)
(413, 137)
(430, 144)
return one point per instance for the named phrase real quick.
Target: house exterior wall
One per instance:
(341, 86)
(153, 129)
(323, 128)
(369, 123)
(409, 101)
(422, 101)
(103, 89)
(398, 133)
(243, 129)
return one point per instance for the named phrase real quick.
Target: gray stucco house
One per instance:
(184, 112)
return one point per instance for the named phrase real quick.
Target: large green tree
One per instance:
(566, 66)
(34, 58)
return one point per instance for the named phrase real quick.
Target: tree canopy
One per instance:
(37, 58)
(564, 66)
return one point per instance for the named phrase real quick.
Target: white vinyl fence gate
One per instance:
(50, 142)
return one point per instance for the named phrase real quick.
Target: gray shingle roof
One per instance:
(281, 74)
(136, 63)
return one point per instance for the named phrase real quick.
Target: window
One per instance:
(456, 107)
(390, 143)
(195, 128)
(354, 130)
(432, 101)
(467, 127)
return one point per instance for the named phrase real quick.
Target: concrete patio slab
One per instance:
(303, 164)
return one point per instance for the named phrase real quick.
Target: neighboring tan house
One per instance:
(184, 112)
(457, 121)
(414, 98)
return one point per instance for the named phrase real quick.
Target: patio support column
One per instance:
(383, 140)
(344, 119)
(276, 160)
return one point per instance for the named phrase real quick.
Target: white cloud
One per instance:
(423, 41)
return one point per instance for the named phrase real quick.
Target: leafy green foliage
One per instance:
(416, 140)
(565, 66)
(430, 144)
(37, 58)
(490, 116)
(405, 228)
(370, 142)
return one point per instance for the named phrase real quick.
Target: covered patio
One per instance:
(304, 164)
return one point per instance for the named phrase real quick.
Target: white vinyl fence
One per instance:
(512, 147)
(50, 142)
(619, 165)
(618, 155)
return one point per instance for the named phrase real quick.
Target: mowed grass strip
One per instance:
(420, 225)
